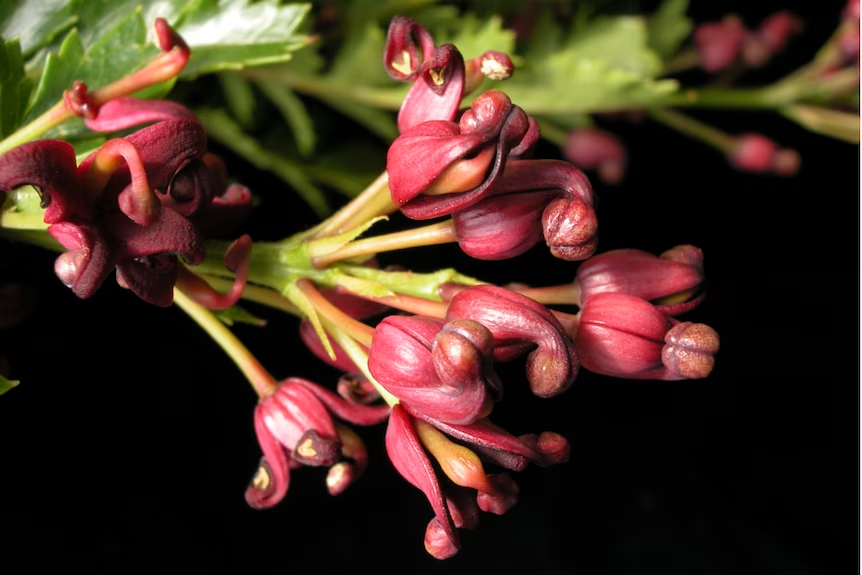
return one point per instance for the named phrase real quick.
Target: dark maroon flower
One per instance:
(401, 55)
(294, 427)
(533, 199)
(521, 325)
(439, 167)
(437, 92)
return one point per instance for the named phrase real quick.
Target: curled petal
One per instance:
(401, 57)
(291, 411)
(151, 278)
(50, 166)
(338, 406)
(438, 541)
(88, 263)
(269, 484)
(515, 319)
(401, 359)
(407, 455)
(127, 112)
(437, 93)
(355, 388)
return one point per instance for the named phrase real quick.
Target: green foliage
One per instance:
(100, 41)
(669, 27)
(14, 88)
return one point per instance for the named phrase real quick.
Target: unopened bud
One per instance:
(690, 350)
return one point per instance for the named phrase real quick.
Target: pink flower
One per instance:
(295, 427)
(596, 149)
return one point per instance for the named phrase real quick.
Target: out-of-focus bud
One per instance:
(341, 475)
(443, 370)
(690, 350)
(520, 324)
(596, 149)
(552, 447)
(438, 167)
(770, 38)
(492, 64)
(533, 199)
(719, 43)
(758, 154)
(670, 281)
(624, 336)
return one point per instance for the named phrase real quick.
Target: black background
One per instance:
(128, 446)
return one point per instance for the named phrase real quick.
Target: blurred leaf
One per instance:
(294, 113)
(378, 122)
(36, 24)
(240, 97)
(236, 314)
(669, 27)
(234, 34)
(224, 129)
(605, 64)
(14, 87)
(6, 385)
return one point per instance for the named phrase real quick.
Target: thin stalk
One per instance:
(694, 128)
(432, 235)
(260, 379)
(374, 201)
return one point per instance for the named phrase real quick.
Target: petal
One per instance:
(50, 166)
(270, 483)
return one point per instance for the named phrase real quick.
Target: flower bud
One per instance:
(758, 154)
(533, 199)
(719, 43)
(596, 149)
(552, 447)
(502, 497)
(624, 336)
(770, 38)
(669, 280)
(516, 320)
(690, 350)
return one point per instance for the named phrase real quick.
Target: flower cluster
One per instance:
(143, 204)
(138, 203)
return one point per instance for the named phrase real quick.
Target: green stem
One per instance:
(257, 294)
(834, 123)
(564, 294)
(55, 116)
(754, 98)
(262, 382)
(359, 357)
(374, 201)
(353, 327)
(434, 234)
(23, 221)
(694, 129)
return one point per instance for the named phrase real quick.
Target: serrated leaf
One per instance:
(14, 88)
(224, 129)
(294, 113)
(6, 384)
(237, 314)
(36, 24)
(669, 27)
(605, 64)
(118, 52)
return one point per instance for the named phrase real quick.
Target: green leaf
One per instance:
(6, 384)
(234, 34)
(36, 24)
(118, 52)
(237, 314)
(14, 88)
(605, 64)
(669, 27)
(224, 129)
